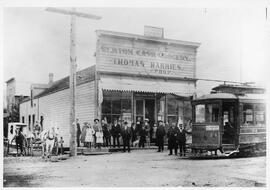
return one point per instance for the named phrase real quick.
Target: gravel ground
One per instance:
(140, 168)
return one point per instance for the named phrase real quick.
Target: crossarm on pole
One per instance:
(70, 12)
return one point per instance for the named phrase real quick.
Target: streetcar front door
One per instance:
(229, 123)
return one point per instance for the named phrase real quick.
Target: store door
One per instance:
(149, 107)
(145, 108)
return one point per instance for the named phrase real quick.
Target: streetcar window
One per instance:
(259, 113)
(212, 111)
(200, 113)
(248, 114)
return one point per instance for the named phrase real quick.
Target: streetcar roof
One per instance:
(253, 97)
(217, 96)
(232, 96)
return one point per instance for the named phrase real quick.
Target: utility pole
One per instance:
(72, 80)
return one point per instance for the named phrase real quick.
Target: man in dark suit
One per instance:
(182, 139)
(160, 133)
(126, 135)
(106, 133)
(115, 132)
(173, 133)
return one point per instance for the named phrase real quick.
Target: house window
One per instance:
(31, 98)
(22, 119)
(33, 119)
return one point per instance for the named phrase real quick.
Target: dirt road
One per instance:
(136, 169)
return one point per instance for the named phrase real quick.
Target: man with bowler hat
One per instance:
(116, 132)
(160, 133)
(173, 133)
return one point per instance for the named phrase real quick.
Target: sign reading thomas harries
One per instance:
(139, 55)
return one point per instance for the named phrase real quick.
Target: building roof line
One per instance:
(147, 38)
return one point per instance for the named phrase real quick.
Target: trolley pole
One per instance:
(72, 79)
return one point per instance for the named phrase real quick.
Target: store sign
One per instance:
(145, 58)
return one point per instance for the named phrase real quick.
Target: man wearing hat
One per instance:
(126, 135)
(160, 133)
(173, 134)
(147, 129)
(116, 132)
(182, 139)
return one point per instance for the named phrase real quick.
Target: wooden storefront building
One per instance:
(134, 76)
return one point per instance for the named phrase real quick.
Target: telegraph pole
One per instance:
(72, 80)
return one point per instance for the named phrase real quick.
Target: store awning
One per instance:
(180, 88)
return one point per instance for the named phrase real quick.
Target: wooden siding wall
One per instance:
(55, 108)
(26, 110)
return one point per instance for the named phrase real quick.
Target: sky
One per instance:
(233, 40)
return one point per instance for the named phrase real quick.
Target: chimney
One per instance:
(50, 78)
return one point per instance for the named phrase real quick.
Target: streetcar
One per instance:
(229, 122)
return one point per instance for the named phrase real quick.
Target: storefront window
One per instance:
(126, 106)
(212, 112)
(172, 119)
(116, 106)
(126, 111)
(139, 107)
(248, 114)
(172, 107)
(115, 118)
(106, 107)
(139, 110)
(200, 113)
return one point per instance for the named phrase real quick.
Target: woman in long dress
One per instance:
(89, 139)
(99, 135)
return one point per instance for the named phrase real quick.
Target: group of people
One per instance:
(90, 134)
(139, 133)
